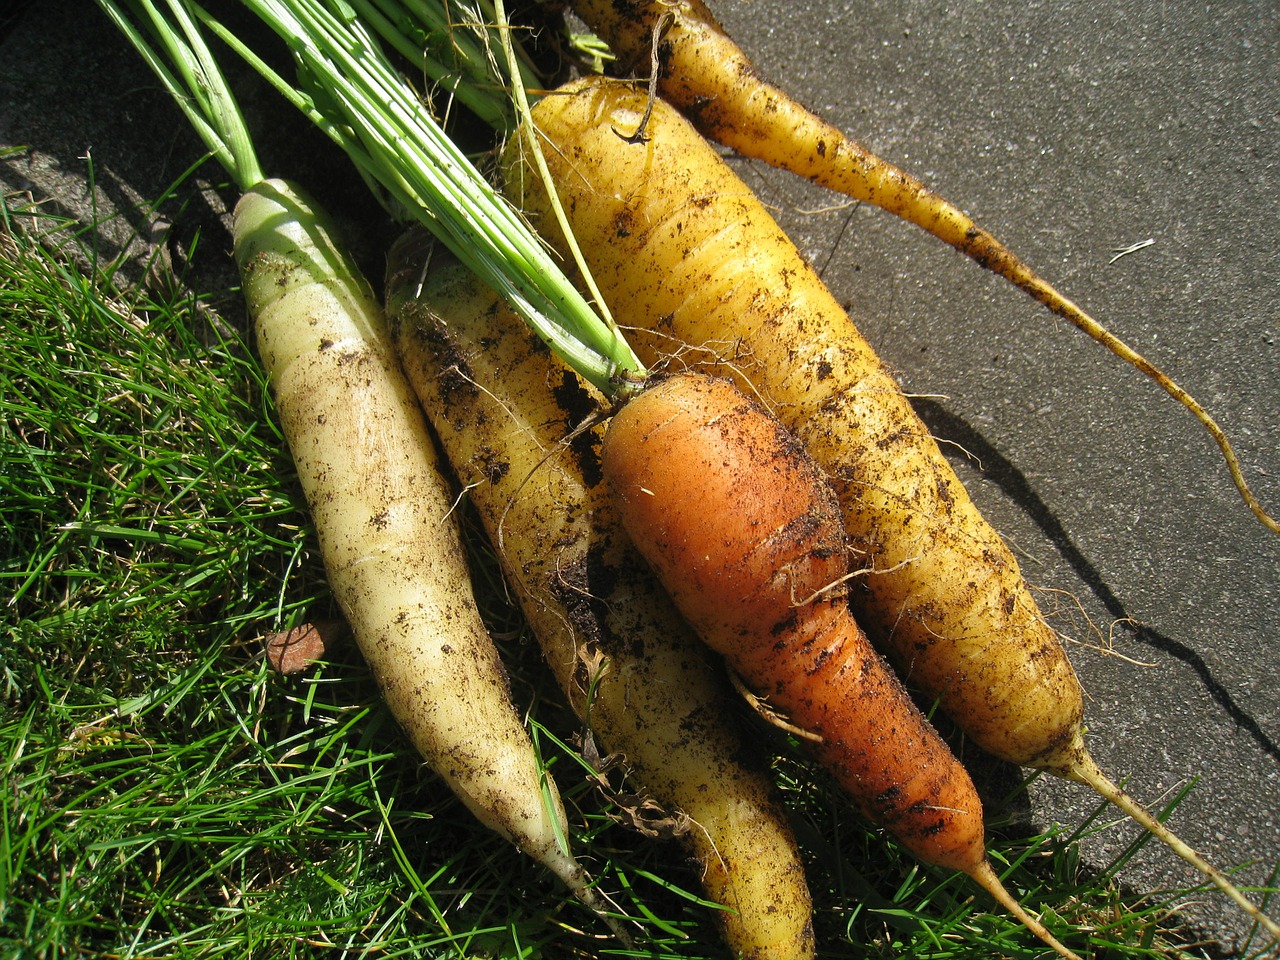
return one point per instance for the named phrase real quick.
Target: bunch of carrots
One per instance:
(823, 540)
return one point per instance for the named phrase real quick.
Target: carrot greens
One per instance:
(349, 88)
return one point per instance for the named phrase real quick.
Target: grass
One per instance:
(167, 794)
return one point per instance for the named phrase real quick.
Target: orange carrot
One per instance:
(747, 536)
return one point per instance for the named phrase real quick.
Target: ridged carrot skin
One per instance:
(703, 71)
(630, 667)
(747, 536)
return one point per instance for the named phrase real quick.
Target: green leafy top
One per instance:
(347, 86)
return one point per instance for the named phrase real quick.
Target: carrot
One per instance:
(644, 688)
(381, 509)
(762, 576)
(681, 245)
(707, 75)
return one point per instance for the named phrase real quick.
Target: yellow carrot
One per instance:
(502, 406)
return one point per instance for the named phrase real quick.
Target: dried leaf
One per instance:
(294, 650)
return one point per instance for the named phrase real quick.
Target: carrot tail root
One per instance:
(1087, 772)
(985, 876)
